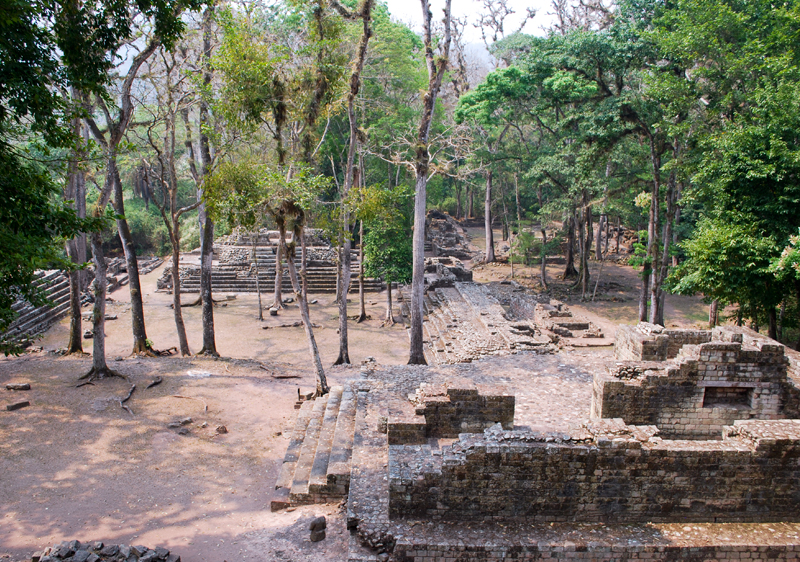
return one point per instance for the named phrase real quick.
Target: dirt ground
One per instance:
(75, 465)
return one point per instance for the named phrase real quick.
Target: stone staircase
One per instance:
(316, 467)
(36, 320)
(463, 323)
(320, 276)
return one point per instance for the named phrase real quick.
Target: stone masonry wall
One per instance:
(447, 412)
(706, 387)
(610, 473)
(650, 342)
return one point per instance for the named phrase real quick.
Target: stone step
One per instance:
(319, 470)
(337, 478)
(302, 473)
(295, 444)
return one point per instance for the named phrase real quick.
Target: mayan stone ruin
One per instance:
(678, 445)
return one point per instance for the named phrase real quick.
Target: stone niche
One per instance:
(701, 389)
(608, 472)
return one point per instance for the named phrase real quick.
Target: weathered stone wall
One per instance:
(584, 550)
(706, 387)
(611, 473)
(448, 412)
(649, 342)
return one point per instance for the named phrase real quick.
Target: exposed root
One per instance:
(156, 381)
(205, 406)
(363, 317)
(98, 374)
(164, 352)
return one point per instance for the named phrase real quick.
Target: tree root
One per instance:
(98, 374)
(156, 381)
(205, 405)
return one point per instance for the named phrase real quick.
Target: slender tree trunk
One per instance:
(206, 224)
(459, 210)
(506, 228)
(598, 250)
(389, 320)
(258, 282)
(277, 302)
(569, 269)
(137, 305)
(361, 297)
(322, 382)
(519, 207)
(644, 294)
(75, 178)
(487, 210)
(345, 258)
(652, 232)
(436, 68)
(619, 232)
(773, 323)
(99, 368)
(543, 229)
(470, 202)
(176, 290)
(713, 314)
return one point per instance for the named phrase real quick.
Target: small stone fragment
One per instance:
(150, 556)
(93, 558)
(173, 558)
(221, 429)
(185, 421)
(87, 335)
(139, 550)
(318, 524)
(162, 552)
(124, 551)
(17, 406)
(273, 311)
(317, 536)
(36, 556)
(98, 545)
(80, 556)
(18, 386)
(183, 431)
(110, 550)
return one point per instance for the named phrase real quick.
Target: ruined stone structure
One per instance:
(712, 379)
(234, 266)
(706, 432)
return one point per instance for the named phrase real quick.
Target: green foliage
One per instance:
(787, 266)
(388, 250)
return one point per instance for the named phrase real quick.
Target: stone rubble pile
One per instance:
(76, 551)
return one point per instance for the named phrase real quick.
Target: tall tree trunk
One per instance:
(206, 224)
(72, 193)
(289, 250)
(351, 176)
(713, 314)
(361, 297)
(176, 291)
(137, 305)
(277, 302)
(459, 209)
(487, 218)
(569, 269)
(773, 323)
(99, 368)
(644, 293)
(519, 208)
(436, 68)
(389, 320)
(470, 202)
(258, 281)
(542, 227)
(506, 228)
(652, 232)
(598, 251)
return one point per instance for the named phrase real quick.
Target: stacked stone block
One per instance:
(703, 389)
(609, 473)
(447, 412)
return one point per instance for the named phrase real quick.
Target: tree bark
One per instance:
(176, 290)
(487, 219)
(74, 192)
(713, 314)
(543, 229)
(652, 230)
(361, 297)
(519, 209)
(569, 269)
(436, 69)
(258, 282)
(773, 323)
(598, 250)
(206, 224)
(389, 320)
(506, 228)
(289, 250)
(137, 306)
